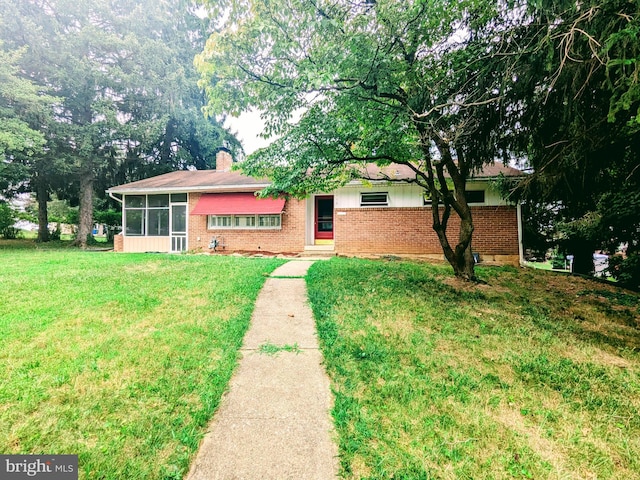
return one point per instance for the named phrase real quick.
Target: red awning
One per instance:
(237, 204)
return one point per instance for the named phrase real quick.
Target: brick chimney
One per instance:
(224, 160)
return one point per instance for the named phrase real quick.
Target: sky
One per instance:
(247, 128)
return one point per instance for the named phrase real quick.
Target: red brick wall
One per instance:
(118, 243)
(289, 239)
(409, 230)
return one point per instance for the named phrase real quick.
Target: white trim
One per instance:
(159, 190)
(520, 246)
(173, 235)
(119, 200)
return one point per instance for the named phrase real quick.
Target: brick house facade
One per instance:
(409, 231)
(187, 210)
(289, 239)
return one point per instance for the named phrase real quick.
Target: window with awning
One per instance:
(247, 203)
(240, 211)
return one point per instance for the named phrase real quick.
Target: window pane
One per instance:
(158, 222)
(219, 222)
(378, 198)
(134, 221)
(269, 221)
(134, 201)
(475, 196)
(245, 221)
(179, 218)
(179, 197)
(158, 200)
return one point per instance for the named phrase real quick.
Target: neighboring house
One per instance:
(205, 209)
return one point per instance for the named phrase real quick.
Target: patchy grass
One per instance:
(119, 358)
(531, 375)
(269, 348)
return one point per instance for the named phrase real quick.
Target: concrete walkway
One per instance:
(274, 422)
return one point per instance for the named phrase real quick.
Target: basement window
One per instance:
(374, 199)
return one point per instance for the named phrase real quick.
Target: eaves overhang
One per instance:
(199, 189)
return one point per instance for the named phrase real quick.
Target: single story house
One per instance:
(207, 210)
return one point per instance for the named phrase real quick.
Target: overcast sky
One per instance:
(247, 128)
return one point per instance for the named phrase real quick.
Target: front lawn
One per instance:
(530, 375)
(119, 358)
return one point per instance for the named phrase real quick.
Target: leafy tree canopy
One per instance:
(582, 124)
(413, 82)
(129, 100)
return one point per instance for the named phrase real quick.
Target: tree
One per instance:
(23, 108)
(581, 120)
(20, 99)
(130, 105)
(413, 82)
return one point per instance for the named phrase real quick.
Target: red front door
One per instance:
(324, 217)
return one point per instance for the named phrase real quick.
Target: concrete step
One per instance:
(318, 251)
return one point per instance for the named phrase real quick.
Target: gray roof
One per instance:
(231, 181)
(400, 172)
(193, 181)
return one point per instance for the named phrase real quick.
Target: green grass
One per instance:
(65, 243)
(269, 348)
(119, 358)
(530, 375)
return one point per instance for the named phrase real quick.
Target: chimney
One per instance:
(224, 160)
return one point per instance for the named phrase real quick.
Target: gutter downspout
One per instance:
(119, 200)
(520, 247)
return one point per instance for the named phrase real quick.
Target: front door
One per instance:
(178, 227)
(324, 218)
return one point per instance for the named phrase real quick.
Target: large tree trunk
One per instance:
(459, 257)
(85, 221)
(42, 196)
(465, 263)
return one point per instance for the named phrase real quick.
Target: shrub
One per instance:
(7, 219)
(626, 270)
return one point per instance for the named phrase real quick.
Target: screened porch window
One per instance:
(149, 214)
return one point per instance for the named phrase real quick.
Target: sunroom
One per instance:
(155, 222)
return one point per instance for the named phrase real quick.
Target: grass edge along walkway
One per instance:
(274, 422)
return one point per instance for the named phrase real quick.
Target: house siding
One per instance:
(288, 239)
(141, 244)
(409, 231)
